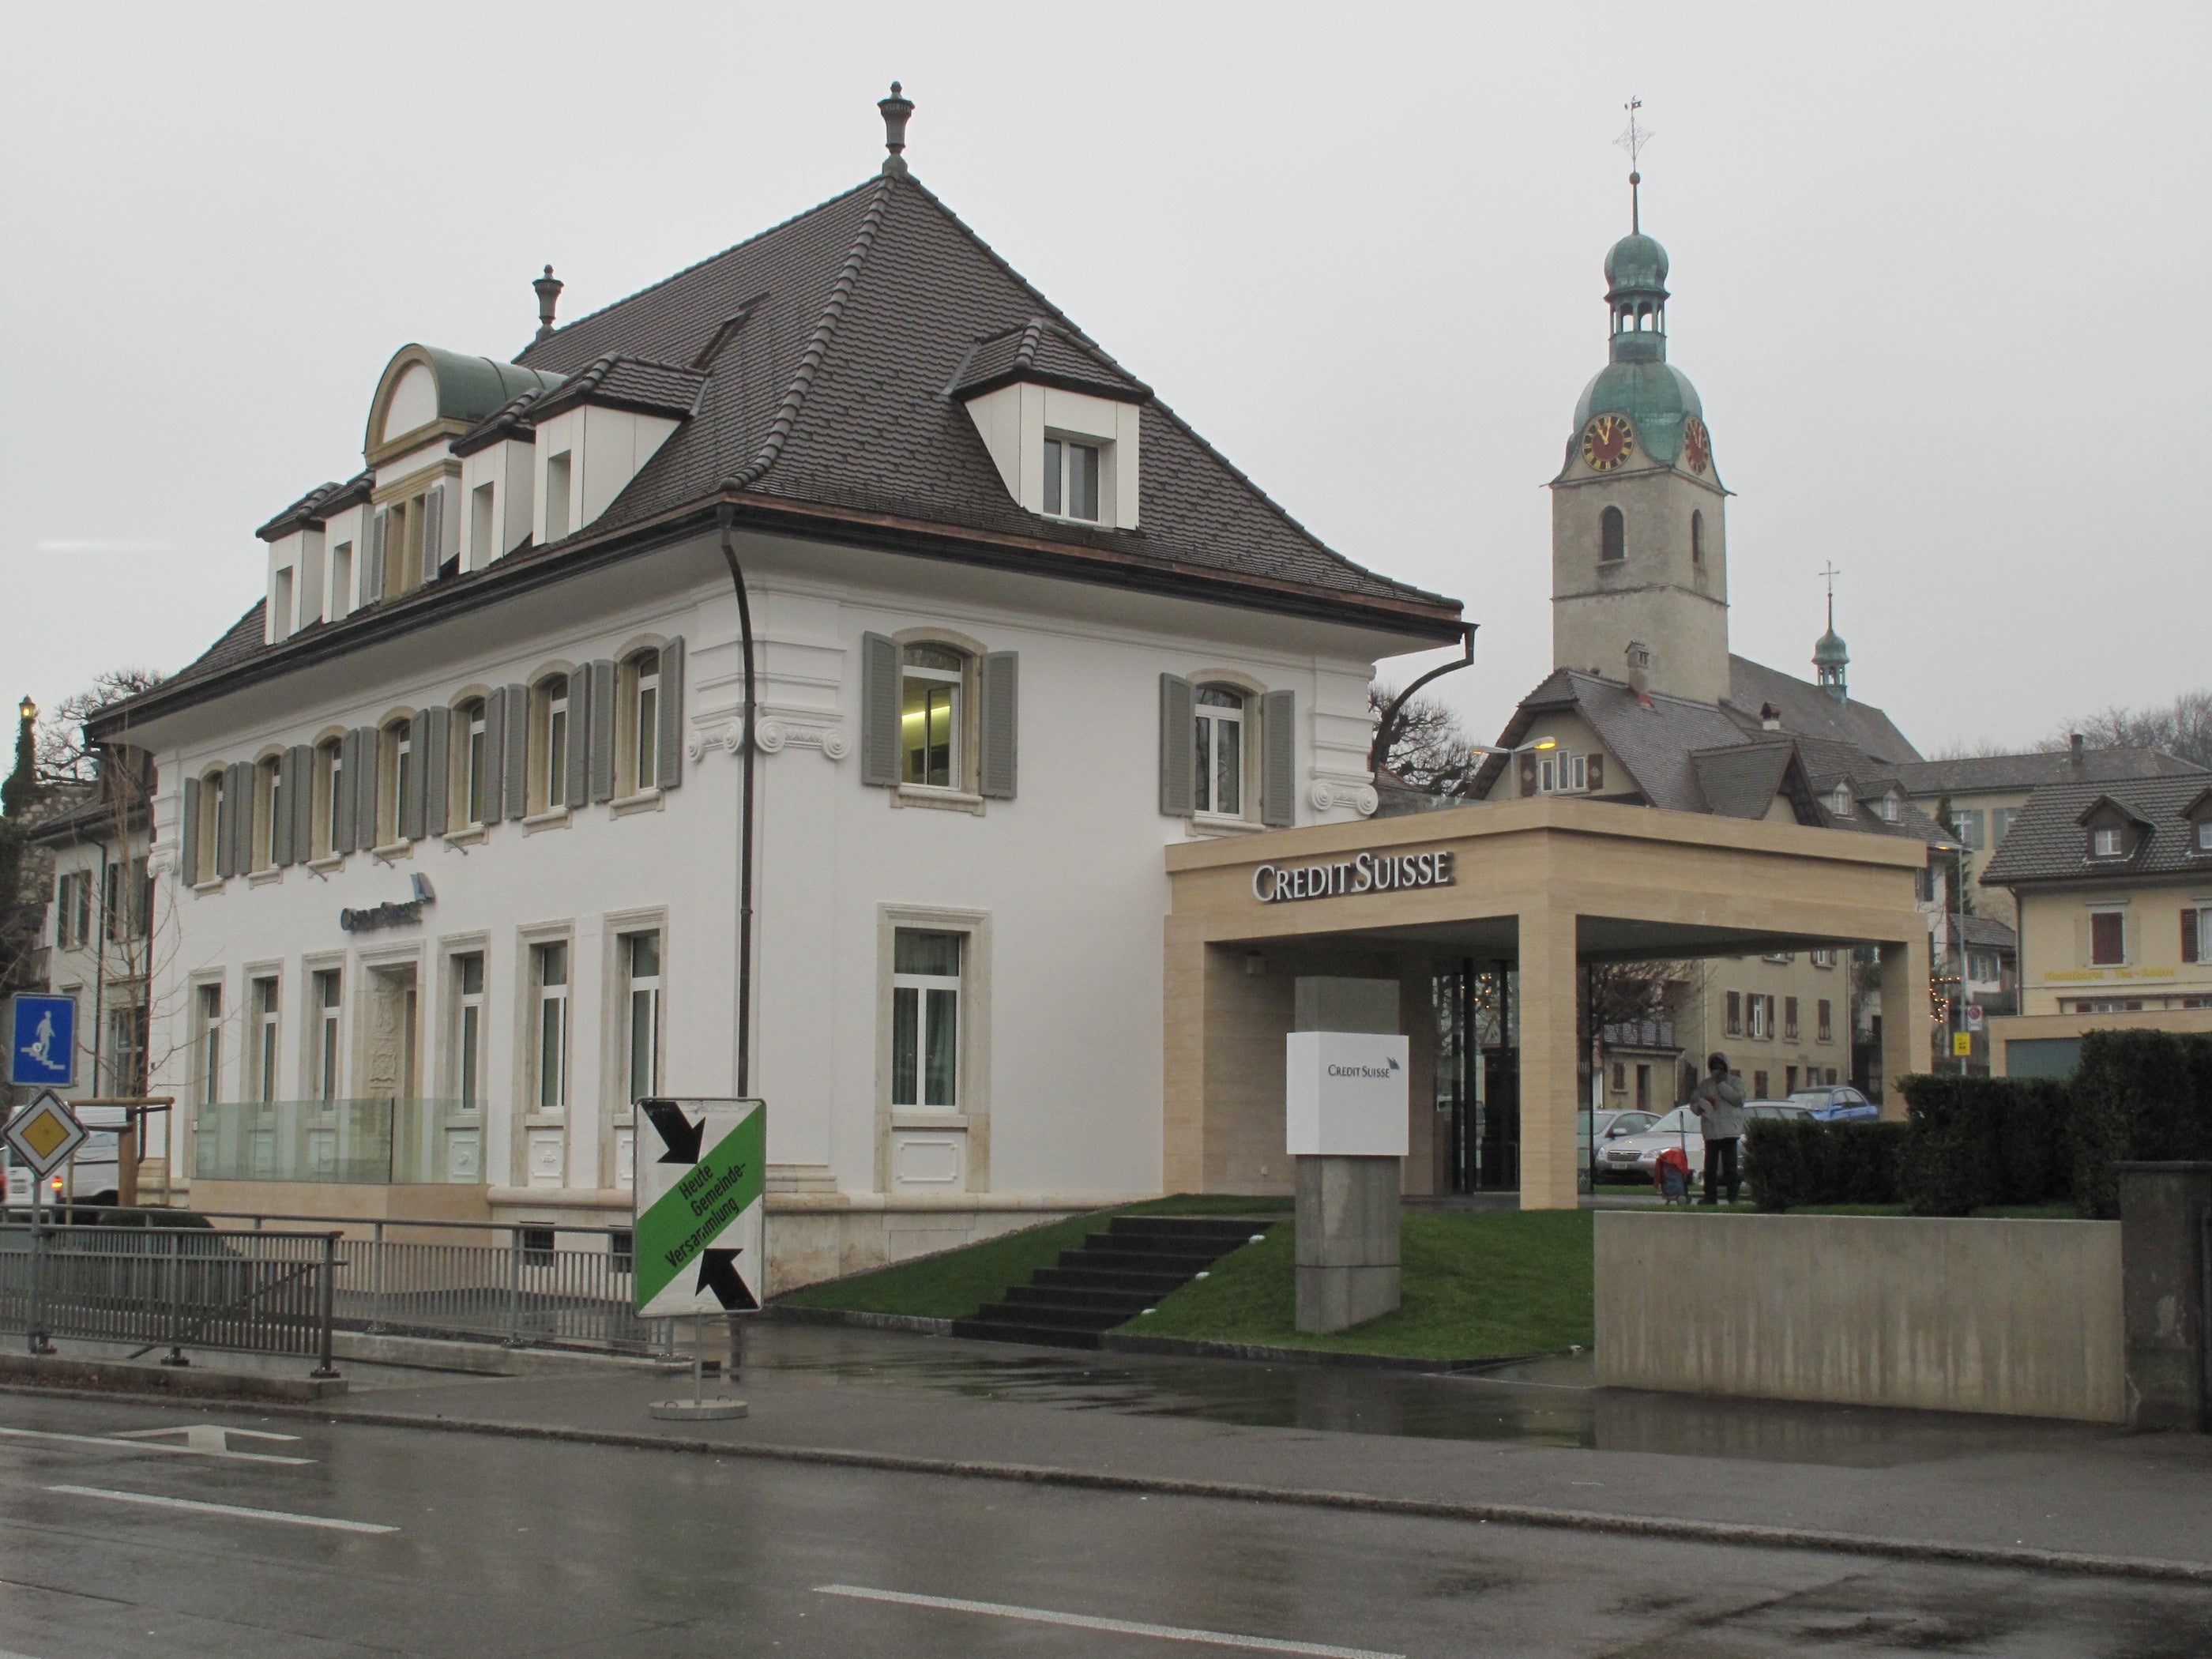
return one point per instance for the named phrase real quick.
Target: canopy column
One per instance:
(1551, 1103)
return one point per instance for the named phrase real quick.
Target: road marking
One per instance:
(1118, 1626)
(214, 1438)
(129, 1443)
(199, 1508)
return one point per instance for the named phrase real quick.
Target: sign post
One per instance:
(43, 1135)
(696, 1239)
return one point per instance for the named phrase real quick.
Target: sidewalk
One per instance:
(1537, 1445)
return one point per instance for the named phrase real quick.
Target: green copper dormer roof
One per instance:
(1637, 265)
(1829, 650)
(468, 387)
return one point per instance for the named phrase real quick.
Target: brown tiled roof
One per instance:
(1809, 712)
(1977, 773)
(2048, 843)
(623, 382)
(1050, 356)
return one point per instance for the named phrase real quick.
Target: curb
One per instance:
(110, 1378)
(1734, 1534)
(1192, 1347)
(920, 1323)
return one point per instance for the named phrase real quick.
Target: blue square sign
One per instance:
(42, 1041)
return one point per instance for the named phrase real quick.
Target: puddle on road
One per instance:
(1550, 1402)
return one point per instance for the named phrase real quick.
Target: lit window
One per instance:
(925, 1018)
(1220, 756)
(641, 966)
(1071, 479)
(326, 992)
(930, 716)
(549, 975)
(468, 1029)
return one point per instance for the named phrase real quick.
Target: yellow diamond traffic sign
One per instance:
(44, 1133)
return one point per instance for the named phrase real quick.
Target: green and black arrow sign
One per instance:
(698, 1232)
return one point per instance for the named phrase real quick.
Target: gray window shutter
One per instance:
(669, 767)
(879, 711)
(1278, 759)
(280, 831)
(226, 807)
(1597, 774)
(303, 807)
(434, 530)
(437, 725)
(580, 738)
(601, 741)
(242, 782)
(411, 817)
(998, 688)
(1178, 754)
(188, 851)
(372, 578)
(494, 752)
(517, 766)
(364, 786)
(343, 839)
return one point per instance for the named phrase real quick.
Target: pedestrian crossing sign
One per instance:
(42, 1041)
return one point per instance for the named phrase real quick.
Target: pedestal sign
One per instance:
(697, 1238)
(1345, 1127)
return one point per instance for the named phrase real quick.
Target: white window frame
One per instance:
(955, 680)
(268, 808)
(329, 771)
(1059, 467)
(641, 1016)
(208, 1007)
(645, 722)
(2106, 843)
(549, 1034)
(550, 715)
(326, 988)
(473, 755)
(263, 1000)
(1210, 719)
(922, 988)
(213, 787)
(470, 1028)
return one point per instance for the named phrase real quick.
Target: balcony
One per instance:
(1640, 1034)
(358, 1143)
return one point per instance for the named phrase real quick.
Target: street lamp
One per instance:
(1519, 749)
(27, 711)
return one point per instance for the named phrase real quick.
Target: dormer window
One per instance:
(2105, 843)
(2204, 835)
(1840, 802)
(1071, 479)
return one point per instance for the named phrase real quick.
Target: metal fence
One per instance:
(178, 1287)
(523, 1285)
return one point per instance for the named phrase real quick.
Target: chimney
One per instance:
(2074, 751)
(1639, 671)
(1769, 717)
(895, 110)
(548, 289)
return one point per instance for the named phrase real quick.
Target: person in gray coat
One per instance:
(1719, 1104)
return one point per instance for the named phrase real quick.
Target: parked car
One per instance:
(92, 1175)
(1838, 1102)
(1632, 1157)
(1611, 1126)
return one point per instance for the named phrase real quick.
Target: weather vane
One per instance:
(1633, 141)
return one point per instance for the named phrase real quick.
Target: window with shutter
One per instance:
(998, 686)
(379, 542)
(345, 795)
(434, 530)
(879, 711)
(2193, 925)
(600, 744)
(188, 849)
(2107, 939)
(1178, 769)
(576, 773)
(668, 772)
(514, 765)
(433, 728)
(369, 783)
(1278, 759)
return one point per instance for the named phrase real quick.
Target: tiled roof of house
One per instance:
(1977, 774)
(1049, 354)
(619, 382)
(1809, 712)
(2048, 842)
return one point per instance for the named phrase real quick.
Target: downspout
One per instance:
(1385, 727)
(722, 517)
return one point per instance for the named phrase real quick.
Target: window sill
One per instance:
(1205, 825)
(327, 863)
(467, 835)
(942, 800)
(263, 878)
(213, 885)
(393, 849)
(553, 1120)
(553, 818)
(645, 800)
(928, 1117)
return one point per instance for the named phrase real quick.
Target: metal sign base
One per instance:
(698, 1408)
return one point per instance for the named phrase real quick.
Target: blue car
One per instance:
(1838, 1103)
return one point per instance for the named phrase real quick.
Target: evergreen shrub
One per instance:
(1794, 1162)
(1972, 1141)
(2136, 1094)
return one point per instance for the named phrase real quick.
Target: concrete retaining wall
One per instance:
(2017, 1317)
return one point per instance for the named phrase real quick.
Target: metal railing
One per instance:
(524, 1285)
(373, 1142)
(178, 1287)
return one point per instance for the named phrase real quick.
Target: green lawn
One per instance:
(1476, 1285)
(954, 1284)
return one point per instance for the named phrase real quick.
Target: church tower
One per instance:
(1639, 538)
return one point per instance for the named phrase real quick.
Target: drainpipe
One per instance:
(1385, 728)
(722, 516)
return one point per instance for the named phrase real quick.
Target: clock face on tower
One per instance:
(1607, 441)
(1697, 445)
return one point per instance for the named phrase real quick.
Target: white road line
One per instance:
(199, 1508)
(1118, 1626)
(120, 1443)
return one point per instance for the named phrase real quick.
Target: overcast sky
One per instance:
(1939, 275)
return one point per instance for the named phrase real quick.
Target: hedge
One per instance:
(1970, 1141)
(1794, 1162)
(2136, 1094)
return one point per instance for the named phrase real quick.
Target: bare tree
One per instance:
(2182, 729)
(62, 756)
(1427, 747)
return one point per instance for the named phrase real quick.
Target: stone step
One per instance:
(1054, 1315)
(1050, 1336)
(1128, 1300)
(1152, 1285)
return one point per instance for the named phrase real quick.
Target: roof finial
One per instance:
(548, 289)
(1830, 573)
(1633, 141)
(895, 110)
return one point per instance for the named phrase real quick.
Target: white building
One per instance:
(447, 829)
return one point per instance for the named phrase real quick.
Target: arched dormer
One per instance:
(427, 394)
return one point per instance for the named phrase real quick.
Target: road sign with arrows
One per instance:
(697, 1238)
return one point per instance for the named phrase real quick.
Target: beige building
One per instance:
(2114, 886)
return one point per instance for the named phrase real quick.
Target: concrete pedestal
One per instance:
(2162, 1275)
(1347, 1241)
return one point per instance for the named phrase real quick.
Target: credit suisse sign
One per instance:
(1367, 873)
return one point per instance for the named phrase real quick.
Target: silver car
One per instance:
(1634, 1157)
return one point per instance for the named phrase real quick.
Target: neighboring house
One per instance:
(101, 928)
(450, 821)
(1983, 795)
(2114, 884)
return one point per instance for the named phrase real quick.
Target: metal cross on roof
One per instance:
(1633, 139)
(1829, 573)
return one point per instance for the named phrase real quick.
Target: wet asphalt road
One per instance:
(510, 1547)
